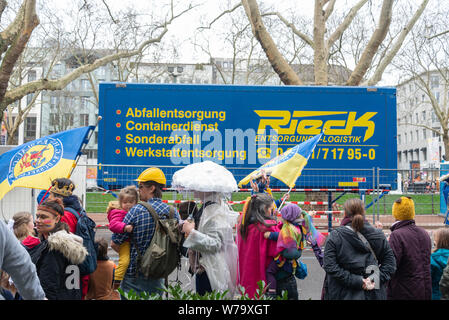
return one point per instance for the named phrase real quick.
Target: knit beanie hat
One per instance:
(404, 209)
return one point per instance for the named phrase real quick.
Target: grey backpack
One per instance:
(163, 254)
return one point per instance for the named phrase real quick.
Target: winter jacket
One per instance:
(438, 261)
(412, 248)
(69, 218)
(56, 261)
(115, 218)
(444, 284)
(15, 261)
(346, 259)
(100, 282)
(254, 255)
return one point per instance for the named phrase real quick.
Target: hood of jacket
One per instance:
(440, 257)
(70, 245)
(72, 202)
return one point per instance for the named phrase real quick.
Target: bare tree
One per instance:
(323, 46)
(425, 66)
(17, 34)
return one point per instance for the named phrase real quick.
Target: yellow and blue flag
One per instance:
(36, 163)
(286, 167)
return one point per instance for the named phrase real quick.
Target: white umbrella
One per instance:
(204, 176)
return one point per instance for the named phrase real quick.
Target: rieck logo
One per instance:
(37, 157)
(284, 122)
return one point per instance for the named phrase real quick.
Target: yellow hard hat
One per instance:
(152, 174)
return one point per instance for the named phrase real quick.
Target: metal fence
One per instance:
(323, 190)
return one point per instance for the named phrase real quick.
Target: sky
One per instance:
(183, 29)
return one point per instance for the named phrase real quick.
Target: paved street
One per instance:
(309, 288)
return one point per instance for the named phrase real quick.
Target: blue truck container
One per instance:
(242, 127)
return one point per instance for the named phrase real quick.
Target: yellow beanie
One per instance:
(404, 209)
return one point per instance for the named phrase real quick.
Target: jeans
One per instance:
(288, 284)
(139, 284)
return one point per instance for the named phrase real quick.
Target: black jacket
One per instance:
(345, 261)
(56, 261)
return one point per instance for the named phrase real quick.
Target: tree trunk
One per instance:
(279, 64)
(321, 51)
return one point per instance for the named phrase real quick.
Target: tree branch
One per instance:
(221, 15)
(290, 25)
(346, 23)
(280, 66)
(374, 43)
(399, 41)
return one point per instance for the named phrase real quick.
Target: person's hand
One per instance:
(115, 246)
(128, 228)
(310, 240)
(266, 235)
(254, 186)
(187, 227)
(368, 284)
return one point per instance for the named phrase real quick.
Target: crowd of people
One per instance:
(46, 258)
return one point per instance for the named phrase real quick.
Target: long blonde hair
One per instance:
(21, 221)
(441, 238)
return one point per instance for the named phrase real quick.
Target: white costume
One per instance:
(215, 241)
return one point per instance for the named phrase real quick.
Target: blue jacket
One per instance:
(438, 260)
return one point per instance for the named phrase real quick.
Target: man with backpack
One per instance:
(148, 217)
(79, 223)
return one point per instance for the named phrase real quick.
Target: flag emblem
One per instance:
(39, 156)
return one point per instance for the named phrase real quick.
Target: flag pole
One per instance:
(283, 199)
(84, 145)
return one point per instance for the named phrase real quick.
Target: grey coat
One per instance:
(444, 284)
(15, 260)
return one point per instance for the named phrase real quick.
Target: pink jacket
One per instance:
(255, 254)
(115, 217)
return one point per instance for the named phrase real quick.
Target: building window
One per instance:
(179, 69)
(424, 134)
(399, 139)
(84, 119)
(54, 119)
(171, 69)
(53, 101)
(30, 129)
(423, 116)
(91, 153)
(29, 98)
(68, 119)
(85, 84)
(31, 75)
(434, 82)
(405, 137)
(417, 135)
(84, 100)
